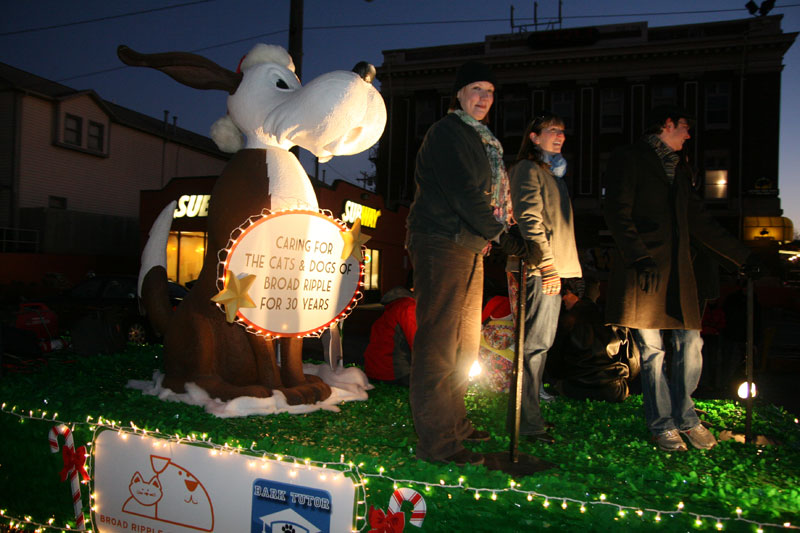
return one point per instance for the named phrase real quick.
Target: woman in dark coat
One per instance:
(460, 205)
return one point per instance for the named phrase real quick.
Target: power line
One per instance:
(112, 69)
(100, 19)
(657, 14)
(418, 23)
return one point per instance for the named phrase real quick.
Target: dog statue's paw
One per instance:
(312, 391)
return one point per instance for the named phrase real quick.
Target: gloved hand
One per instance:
(512, 244)
(647, 274)
(551, 281)
(752, 268)
(533, 254)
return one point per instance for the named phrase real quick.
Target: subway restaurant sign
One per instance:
(291, 273)
(368, 215)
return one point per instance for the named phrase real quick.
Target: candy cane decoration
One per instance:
(409, 495)
(72, 464)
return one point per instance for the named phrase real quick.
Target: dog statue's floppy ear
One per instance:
(189, 69)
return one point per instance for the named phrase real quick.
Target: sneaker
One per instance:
(700, 437)
(545, 396)
(542, 436)
(464, 457)
(670, 441)
(478, 435)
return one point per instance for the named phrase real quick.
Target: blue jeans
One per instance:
(541, 323)
(448, 287)
(669, 405)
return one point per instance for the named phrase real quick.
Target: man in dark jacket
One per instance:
(652, 215)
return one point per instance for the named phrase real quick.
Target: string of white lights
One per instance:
(362, 478)
(622, 510)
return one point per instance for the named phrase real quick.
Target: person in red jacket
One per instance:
(388, 355)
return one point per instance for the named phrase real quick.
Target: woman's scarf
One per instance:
(501, 193)
(556, 161)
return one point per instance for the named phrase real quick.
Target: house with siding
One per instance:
(71, 168)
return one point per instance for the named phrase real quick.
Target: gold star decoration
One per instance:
(353, 239)
(234, 296)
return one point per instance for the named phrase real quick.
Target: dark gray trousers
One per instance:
(448, 284)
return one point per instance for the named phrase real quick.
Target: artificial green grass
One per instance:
(604, 459)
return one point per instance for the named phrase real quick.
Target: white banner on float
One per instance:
(151, 485)
(302, 283)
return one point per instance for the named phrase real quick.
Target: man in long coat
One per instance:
(652, 214)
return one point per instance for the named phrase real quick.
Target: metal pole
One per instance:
(748, 403)
(519, 356)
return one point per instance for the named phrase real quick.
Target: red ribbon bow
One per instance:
(74, 459)
(386, 523)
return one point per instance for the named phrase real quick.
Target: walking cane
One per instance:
(519, 353)
(748, 354)
(515, 463)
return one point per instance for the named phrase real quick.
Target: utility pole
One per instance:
(296, 36)
(296, 46)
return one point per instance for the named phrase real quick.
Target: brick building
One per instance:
(603, 80)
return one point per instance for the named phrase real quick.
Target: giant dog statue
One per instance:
(338, 113)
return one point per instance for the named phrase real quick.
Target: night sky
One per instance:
(75, 43)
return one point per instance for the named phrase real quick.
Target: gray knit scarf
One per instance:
(669, 158)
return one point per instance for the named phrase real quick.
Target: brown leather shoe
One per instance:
(464, 457)
(478, 435)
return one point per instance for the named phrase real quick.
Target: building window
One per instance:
(562, 103)
(715, 186)
(663, 95)
(372, 269)
(424, 115)
(515, 115)
(718, 105)
(95, 136)
(73, 126)
(611, 110)
(602, 165)
(56, 202)
(444, 105)
(185, 253)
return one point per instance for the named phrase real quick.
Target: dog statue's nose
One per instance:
(365, 70)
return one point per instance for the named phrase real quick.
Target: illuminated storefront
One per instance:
(774, 229)
(386, 264)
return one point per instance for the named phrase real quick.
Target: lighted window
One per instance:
(611, 106)
(372, 269)
(185, 253)
(95, 136)
(716, 186)
(73, 127)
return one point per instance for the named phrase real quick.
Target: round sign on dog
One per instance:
(291, 273)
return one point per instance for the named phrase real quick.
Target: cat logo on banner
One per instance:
(154, 485)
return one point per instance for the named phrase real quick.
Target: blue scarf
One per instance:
(558, 165)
